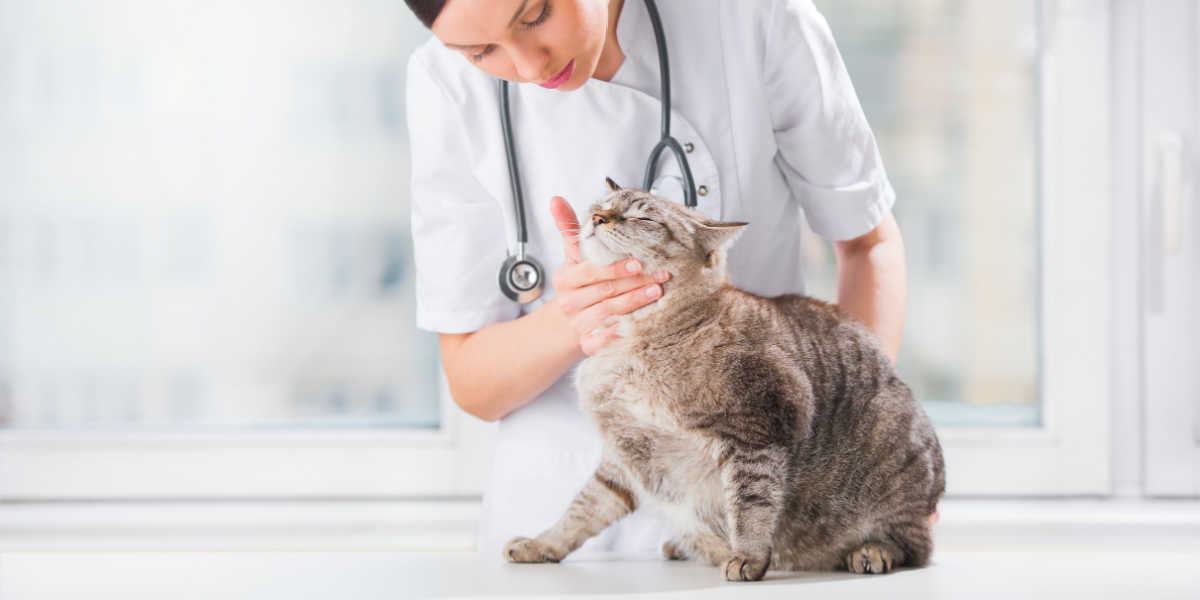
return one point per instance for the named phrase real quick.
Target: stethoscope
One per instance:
(521, 276)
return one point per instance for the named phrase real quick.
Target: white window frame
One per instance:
(1169, 129)
(326, 464)
(1067, 455)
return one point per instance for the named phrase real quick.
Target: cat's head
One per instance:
(661, 234)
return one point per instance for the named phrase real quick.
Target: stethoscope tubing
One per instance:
(666, 142)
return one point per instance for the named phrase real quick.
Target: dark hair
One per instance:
(426, 10)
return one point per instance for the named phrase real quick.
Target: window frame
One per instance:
(316, 464)
(1067, 454)
(1168, 124)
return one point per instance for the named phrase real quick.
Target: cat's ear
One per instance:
(715, 236)
(612, 185)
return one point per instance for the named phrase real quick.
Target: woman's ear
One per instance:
(715, 236)
(612, 185)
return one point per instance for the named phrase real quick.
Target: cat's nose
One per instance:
(598, 219)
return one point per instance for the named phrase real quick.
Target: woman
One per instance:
(771, 126)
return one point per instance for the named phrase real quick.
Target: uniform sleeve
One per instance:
(826, 149)
(457, 227)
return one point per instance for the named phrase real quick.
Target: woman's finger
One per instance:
(594, 315)
(586, 273)
(583, 297)
(568, 226)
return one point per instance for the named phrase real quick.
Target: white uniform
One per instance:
(762, 100)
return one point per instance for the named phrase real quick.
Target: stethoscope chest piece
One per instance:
(521, 278)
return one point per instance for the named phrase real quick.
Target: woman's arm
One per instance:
(496, 369)
(871, 281)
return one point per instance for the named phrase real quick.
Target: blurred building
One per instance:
(204, 218)
(203, 210)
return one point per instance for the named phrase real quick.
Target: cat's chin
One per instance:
(595, 252)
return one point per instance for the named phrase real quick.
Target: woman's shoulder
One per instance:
(746, 23)
(729, 13)
(447, 70)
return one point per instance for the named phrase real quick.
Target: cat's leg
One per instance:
(914, 539)
(753, 480)
(603, 499)
(707, 546)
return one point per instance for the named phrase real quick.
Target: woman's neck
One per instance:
(611, 55)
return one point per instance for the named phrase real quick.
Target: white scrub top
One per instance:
(772, 126)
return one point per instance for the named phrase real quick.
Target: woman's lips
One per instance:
(561, 78)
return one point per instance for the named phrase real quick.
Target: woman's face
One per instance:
(555, 43)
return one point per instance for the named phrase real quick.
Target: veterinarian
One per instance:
(770, 126)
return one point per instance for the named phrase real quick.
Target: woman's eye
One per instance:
(541, 18)
(478, 56)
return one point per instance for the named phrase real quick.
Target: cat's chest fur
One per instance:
(674, 472)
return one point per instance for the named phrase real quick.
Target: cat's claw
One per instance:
(744, 568)
(870, 559)
(525, 550)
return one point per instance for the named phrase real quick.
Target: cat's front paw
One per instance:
(525, 550)
(673, 550)
(745, 568)
(870, 558)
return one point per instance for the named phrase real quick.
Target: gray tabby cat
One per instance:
(770, 432)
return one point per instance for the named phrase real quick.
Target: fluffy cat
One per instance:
(771, 432)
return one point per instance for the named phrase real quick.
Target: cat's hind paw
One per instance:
(525, 550)
(870, 558)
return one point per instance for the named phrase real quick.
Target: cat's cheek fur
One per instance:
(596, 252)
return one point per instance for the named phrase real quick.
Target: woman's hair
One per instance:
(426, 10)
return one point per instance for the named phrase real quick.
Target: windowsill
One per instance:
(449, 525)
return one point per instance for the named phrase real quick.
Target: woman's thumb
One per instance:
(568, 226)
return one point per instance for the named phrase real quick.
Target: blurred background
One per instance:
(206, 267)
(215, 235)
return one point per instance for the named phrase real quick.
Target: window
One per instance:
(990, 118)
(204, 254)
(950, 90)
(207, 265)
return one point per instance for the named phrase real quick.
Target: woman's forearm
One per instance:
(502, 366)
(872, 283)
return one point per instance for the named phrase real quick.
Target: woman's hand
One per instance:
(588, 294)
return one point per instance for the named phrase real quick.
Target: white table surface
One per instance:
(1062, 573)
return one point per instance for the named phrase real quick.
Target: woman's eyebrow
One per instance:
(516, 15)
(520, 9)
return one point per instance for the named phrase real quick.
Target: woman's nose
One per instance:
(530, 62)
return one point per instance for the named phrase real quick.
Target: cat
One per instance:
(770, 432)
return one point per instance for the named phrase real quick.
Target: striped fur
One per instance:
(770, 432)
